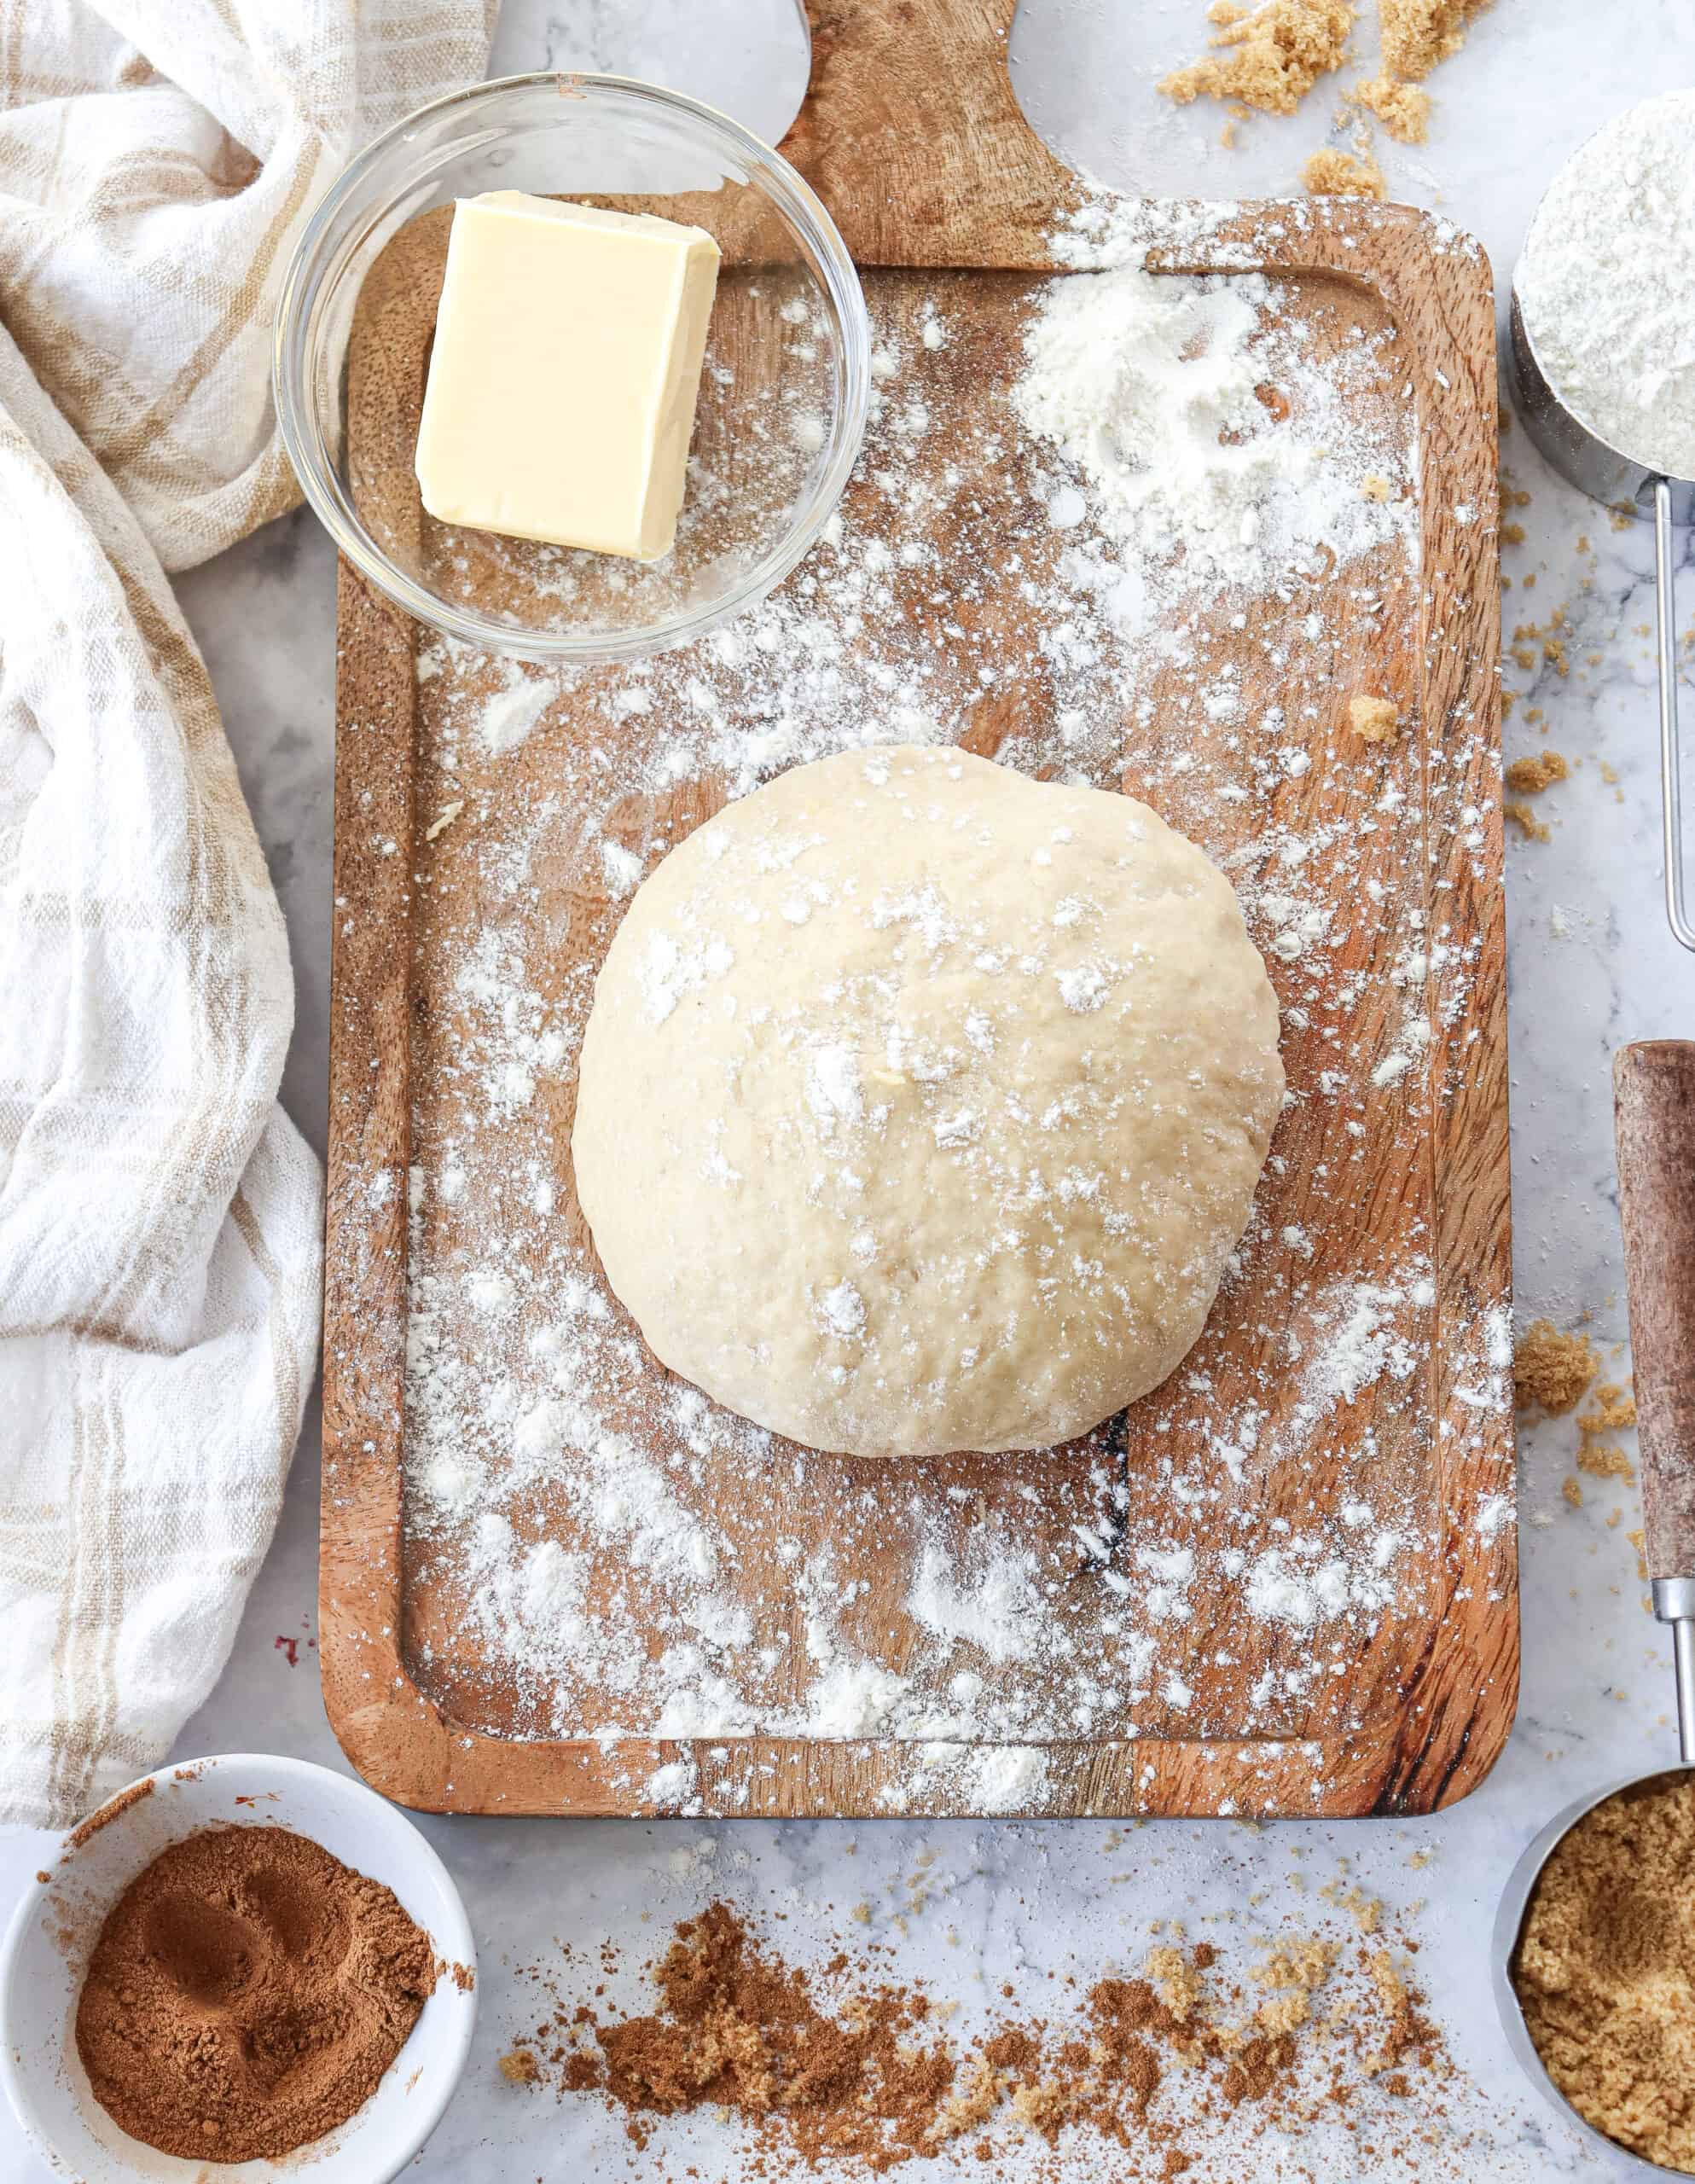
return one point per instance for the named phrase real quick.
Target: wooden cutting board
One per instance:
(1389, 1179)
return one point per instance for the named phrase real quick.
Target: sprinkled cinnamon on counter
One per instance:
(846, 2070)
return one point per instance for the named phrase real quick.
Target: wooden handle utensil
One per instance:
(1654, 1103)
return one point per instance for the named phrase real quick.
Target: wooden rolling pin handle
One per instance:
(1654, 1111)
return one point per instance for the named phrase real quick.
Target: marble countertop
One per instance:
(1592, 964)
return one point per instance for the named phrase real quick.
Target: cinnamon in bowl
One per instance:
(247, 1994)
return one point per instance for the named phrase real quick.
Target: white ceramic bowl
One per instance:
(48, 1946)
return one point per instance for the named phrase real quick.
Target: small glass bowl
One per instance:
(783, 396)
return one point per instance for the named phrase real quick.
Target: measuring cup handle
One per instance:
(1671, 771)
(1654, 1101)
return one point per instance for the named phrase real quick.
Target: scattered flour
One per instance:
(595, 1535)
(1606, 283)
(509, 716)
(1152, 388)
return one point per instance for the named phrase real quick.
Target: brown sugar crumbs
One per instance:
(1602, 1968)
(1604, 1459)
(1375, 720)
(1403, 109)
(1531, 776)
(1614, 1410)
(845, 2069)
(1332, 173)
(1416, 34)
(1269, 56)
(1552, 1371)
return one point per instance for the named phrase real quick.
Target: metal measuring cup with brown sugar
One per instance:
(1654, 1098)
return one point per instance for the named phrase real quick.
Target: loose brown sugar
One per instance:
(1332, 173)
(1415, 35)
(1375, 720)
(1403, 109)
(1552, 1371)
(1294, 1972)
(1366, 1910)
(1603, 1968)
(1572, 1492)
(846, 2070)
(1531, 776)
(1269, 56)
(1614, 1411)
(1177, 1980)
(1521, 817)
(1604, 1459)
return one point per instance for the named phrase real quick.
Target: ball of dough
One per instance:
(921, 1104)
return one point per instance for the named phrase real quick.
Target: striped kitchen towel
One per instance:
(159, 1216)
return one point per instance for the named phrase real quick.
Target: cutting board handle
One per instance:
(1654, 1102)
(912, 136)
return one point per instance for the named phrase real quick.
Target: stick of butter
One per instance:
(564, 373)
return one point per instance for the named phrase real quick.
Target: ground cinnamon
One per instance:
(247, 1994)
(850, 2074)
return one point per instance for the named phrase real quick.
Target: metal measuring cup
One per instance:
(1654, 1105)
(1617, 478)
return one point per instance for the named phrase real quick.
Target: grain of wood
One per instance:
(1428, 1693)
(1654, 1089)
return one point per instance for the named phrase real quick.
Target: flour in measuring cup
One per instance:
(1606, 283)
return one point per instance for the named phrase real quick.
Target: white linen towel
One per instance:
(159, 1216)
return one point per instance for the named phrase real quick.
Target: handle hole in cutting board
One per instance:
(748, 58)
